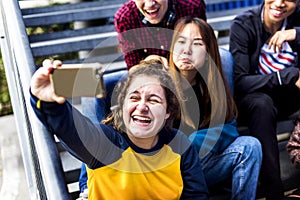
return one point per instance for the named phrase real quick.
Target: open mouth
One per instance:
(141, 120)
(277, 13)
(152, 13)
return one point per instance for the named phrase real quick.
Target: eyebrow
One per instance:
(154, 95)
(151, 95)
(197, 38)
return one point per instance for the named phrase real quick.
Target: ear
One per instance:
(167, 115)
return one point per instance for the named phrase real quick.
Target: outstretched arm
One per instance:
(81, 137)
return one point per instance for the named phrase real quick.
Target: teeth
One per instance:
(277, 12)
(151, 11)
(141, 118)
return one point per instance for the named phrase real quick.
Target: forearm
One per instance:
(248, 83)
(59, 120)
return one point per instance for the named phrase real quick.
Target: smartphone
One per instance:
(78, 80)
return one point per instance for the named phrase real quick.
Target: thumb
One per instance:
(59, 99)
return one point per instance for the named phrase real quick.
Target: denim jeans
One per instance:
(241, 160)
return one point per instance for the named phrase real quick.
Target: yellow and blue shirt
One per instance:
(117, 168)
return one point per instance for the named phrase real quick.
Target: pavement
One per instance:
(13, 182)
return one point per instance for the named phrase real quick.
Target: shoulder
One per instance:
(249, 16)
(127, 17)
(127, 7)
(248, 20)
(189, 3)
(177, 140)
(297, 11)
(190, 7)
(294, 18)
(127, 11)
(112, 134)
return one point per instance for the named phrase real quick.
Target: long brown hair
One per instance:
(151, 68)
(211, 79)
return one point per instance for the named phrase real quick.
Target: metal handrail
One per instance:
(41, 160)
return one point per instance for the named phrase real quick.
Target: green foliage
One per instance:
(5, 103)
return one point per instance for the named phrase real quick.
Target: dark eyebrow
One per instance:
(198, 38)
(151, 95)
(133, 92)
(154, 95)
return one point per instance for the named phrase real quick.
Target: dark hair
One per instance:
(212, 81)
(152, 68)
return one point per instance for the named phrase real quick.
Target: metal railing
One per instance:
(41, 160)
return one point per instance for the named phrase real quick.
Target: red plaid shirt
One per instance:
(138, 40)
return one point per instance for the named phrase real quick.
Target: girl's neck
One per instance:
(270, 26)
(144, 143)
(190, 76)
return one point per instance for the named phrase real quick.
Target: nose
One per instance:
(187, 48)
(142, 106)
(279, 3)
(149, 3)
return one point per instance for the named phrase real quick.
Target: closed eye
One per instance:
(134, 97)
(154, 99)
(198, 42)
(181, 40)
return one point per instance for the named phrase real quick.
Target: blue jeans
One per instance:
(241, 161)
(83, 178)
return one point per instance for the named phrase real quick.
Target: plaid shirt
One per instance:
(139, 40)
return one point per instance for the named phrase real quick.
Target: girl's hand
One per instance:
(40, 84)
(162, 59)
(280, 37)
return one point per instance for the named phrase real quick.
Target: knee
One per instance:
(260, 103)
(252, 147)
